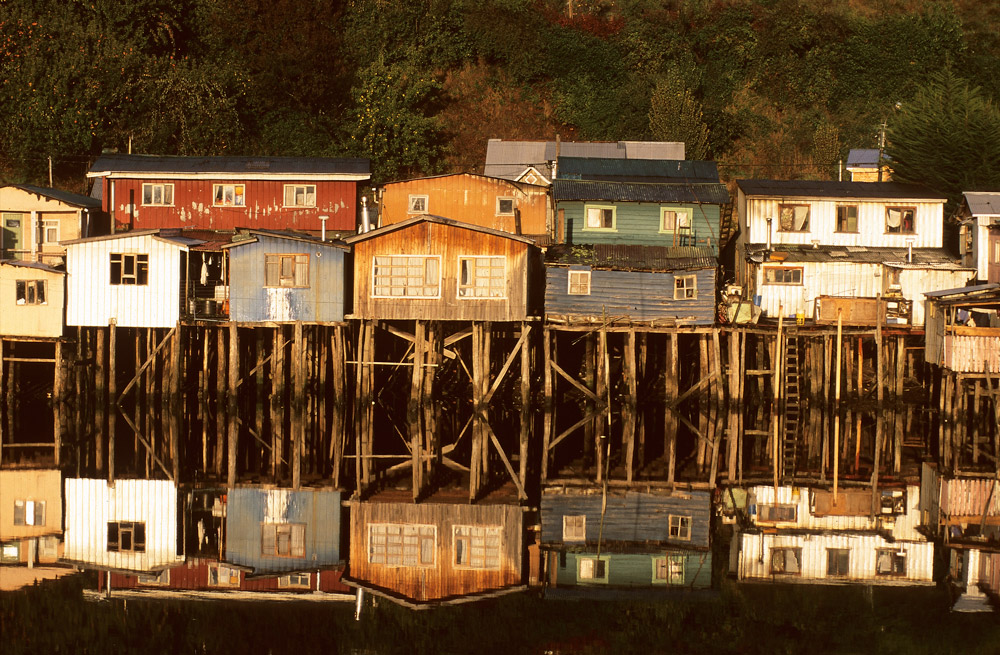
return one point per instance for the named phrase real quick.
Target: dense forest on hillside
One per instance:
(768, 88)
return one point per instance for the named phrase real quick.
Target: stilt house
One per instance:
(32, 300)
(33, 221)
(980, 238)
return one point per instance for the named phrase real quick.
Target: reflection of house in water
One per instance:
(32, 300)
(30, 516)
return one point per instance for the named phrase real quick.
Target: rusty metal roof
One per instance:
(785, 252)
(707, 193)
(835, 190)
(631, 258)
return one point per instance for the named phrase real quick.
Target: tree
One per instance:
(675, 115)
(946, 138)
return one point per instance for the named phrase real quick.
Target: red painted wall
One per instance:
(194, 575)
(193, 208)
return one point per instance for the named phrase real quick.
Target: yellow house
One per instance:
(33, 220)
(32, 300)
(30, 515)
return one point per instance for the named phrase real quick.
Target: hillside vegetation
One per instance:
(768, 88)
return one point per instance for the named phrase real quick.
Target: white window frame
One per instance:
(307, 190)
(26, 293)
(682, 219)
(513, 206)
(765, 509)
(405, 277)
(673, 568)
(580, 275)
(295, 581)
(575, 527)
(470, 290)
(237, 191)
(679, 527)
(29, 512)
(414, 202)
(477, 547)
(788, 269)
(401, 545)
(903, 211)
(50, 224)
(685, 287)
(602, 208)
(140, 269)
(165, 190)
(223, 575)
(284, 540)
(586, 569)
(894, 556)
(274, 264)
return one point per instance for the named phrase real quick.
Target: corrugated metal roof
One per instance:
(965, 293)
(250, 167)
(440, 220)
(715, 194)
(983, 202)
(172, 235)
(292, 236)
(631, 258)
(788, 253)
(508, 159)
(837, 190)
(38, 266)
(636, 170)
(863, 158)
(67, 197)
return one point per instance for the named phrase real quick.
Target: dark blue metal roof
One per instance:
(67, 197)
(679, 192)
(636, 170)
(631, 258)
(250, 166)
(827, 189)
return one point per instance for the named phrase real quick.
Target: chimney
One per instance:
(323, 220)
(366, 223)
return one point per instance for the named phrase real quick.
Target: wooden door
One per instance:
(12, 226)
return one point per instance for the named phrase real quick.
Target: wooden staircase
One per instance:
(793, 406)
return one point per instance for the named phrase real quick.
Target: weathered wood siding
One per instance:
(194, 575)
(443, 579)
(93, 301)
(470, 199)
(635, 569)
(449, 242)
(915, 282)
(251, 301)
(264, 208)
(249, 508)
(36, 485)
(639, 223)
(72, 223)
(92, 504)
(632, 517)
(966, 500)
(634, 295)
(968, 350)
(31, 320)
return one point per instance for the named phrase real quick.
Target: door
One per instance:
(11, 234)
(993, 269)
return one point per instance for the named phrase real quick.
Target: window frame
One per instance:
(28, 291)
(460, 287)
(276, 259)
(777, 507)
(411, 201)
(681, 286)
(465, 552)
(50, 224)
(902, 219)
(164, 187)
(602, 561)
(426, 258)
(679, 527)
(133, 528)
(413, 531)
(513, 206)
(895, 556)
(669, 575)
(569, 282)
(574, 534)
(833, 556)
(154, 578)
(21, 514)
(294, 188)
(602, 208)
(786, 269)
(278, 528)
(681, 214)
(783, 550)
(792, 205)
(857, 220)
(140, 269)
(294, 581)
(217, 568)
(239, 199)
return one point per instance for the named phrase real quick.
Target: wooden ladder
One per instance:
(792, 409)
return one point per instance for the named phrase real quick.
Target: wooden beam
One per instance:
(506, 462)
(577, 385)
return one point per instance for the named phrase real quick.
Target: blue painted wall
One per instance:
(639, 223)
(640, 296)
(251, 301)
(633, 569)
(248, 508)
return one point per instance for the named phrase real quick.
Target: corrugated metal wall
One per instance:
(92, 300)
(635, 295)
(818, 279)
(92, 504)
(249, 508)
(915, 282)
(632, 517)
(635, 569)
(444, 579)
(251, 301)
(755, 558)
(639, 224)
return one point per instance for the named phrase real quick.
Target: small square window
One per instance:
(50, 231)
(417, 205)
(890, 562)
(575, 528)
(600, 218)
(847, 218)
(220, 575)
(157, 194)
(505, 206)
(29, 512)
(793, 218)
(283, 539)
(685, 287)
(229, 195)
(127, 268)
(838, 562)
(900, 220)
(680, 527)
(30, 292)
(579, 283)
(786, 561)
(126, 537)
(300, 195)
(593, 569)
(669, 570)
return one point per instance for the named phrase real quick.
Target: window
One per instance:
(680, 527)
(787, 561)
(417, 205)
(477, 547)
(404, 276)
(899, 220)
(593, 569)
(29, 512)
(220, 575)
(158, 194)
(599, 218)
(579, 283)
(126, 537)
(505, 206)
(295, 581)
(685, 287)
(10, 553)
(668, 570)
(793, 218)
(482, 277)
(300, 195)
(283, 539)
(50, 231)
(129, 269)
(575, 528)
(31, 292)
(890, 562)
(402, 544)
(290, 271)
(672, 220)
(847, 218)
(157, 579)
(229, 195)
(838, 562)
(782, 275)
(776, 513)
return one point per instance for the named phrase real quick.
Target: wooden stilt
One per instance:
(525, 396)
(414, 410)
(297, 418)
(176, 367)
(58, 403)
(671, 374)
(548, 409)
(232, 407)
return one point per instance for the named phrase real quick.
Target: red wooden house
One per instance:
(223, 193)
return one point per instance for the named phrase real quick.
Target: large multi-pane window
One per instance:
(30, 292)
(402, 544)
(229, 195)
(406, 276)
(477, 547)
(126, 536)
(300, 195)
(29, 512)
(157, 194)
(127, 268)
(482, 277)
